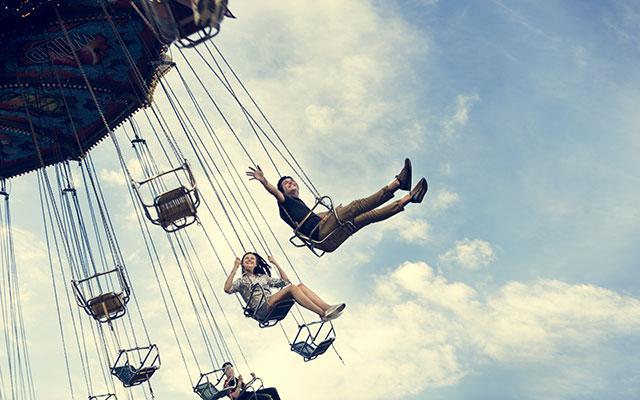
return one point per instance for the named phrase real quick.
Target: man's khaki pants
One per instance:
(361, 213)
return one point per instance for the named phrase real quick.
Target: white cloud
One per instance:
(521, 20)
(32, 269)
(468, 253)
(433, 332)
(445, 169)
(458, 120)
(443, 200)
(540, 319)
(406, 225)
(417, 324)
(330, 95)
(419, 279)
(520, 322)
(113, 177)
(344, 94)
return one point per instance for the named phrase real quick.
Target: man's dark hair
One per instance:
(279, 186)
(225, 365)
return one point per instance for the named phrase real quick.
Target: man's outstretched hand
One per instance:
(256, 174)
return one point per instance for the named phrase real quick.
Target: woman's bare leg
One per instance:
(313, 297)
(298, 295)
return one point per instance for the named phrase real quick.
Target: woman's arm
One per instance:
(281, 272)
(229, 282)
(257, 174)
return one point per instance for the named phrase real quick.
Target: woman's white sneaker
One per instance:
(334, 312)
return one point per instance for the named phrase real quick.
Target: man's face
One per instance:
(229, 372)
(290, 187)
(249, 262)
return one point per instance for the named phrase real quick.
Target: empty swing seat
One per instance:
(147, 362)
(309, 347)
(103, 296)
(107, 306)
(309, 351)
(175, 208)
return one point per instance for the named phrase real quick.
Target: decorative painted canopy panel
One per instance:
(46, 107)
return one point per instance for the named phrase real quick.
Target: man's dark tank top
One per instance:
(293, 210)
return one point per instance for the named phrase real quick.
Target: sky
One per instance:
(517, 276)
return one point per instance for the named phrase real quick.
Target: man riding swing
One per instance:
(324, 227)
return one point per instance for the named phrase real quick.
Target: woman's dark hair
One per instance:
(262, 267)
(279, 185)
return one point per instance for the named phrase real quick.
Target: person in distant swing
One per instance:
(238, 386)
(360, 213)
(206, 13)
(255, 270)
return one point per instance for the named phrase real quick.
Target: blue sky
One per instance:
(517, 277)
(553, 129)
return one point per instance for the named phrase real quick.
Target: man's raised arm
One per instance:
(257, 174)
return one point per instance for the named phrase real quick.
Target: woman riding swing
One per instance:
(256, 271)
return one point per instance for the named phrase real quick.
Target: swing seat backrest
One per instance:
(125, 373)
(129, 376)
(107, 306)
(142, 375)
(174, 205)
(207, 391)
